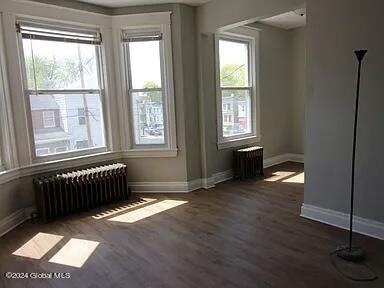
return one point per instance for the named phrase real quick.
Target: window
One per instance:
(61, 149)
(82, 144)
(81, 116)
(236, 81)
(148, 70)
(49, 119)
(64, 88)
(42, 151)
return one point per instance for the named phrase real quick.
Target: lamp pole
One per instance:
(354, 253)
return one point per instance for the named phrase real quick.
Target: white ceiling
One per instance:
(124, 3)
(289, 20)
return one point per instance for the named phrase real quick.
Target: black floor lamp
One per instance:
(353, 253)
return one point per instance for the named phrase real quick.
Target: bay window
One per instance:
(63, 88)
(236, 89)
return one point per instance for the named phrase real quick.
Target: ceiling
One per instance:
(289, 20)
(124, 3)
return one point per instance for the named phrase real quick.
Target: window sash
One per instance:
(165, 123)
(131, 90)
(237, 88)
(128, 65)
(250, 88)
(100, 77)
(68, 153)
(252, 128)
(249, 58)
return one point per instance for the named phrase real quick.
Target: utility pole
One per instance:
(85, 102)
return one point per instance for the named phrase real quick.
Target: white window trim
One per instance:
(161, 21)
(49, 114)
(163, 91)
(8, 154)
(102, 92)
(252, 37)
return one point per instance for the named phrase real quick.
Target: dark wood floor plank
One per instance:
(238, 234)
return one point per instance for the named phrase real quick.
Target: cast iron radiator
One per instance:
(80, 190)
(248, 162)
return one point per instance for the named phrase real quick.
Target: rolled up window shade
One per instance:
(30, 30)
(135, 36)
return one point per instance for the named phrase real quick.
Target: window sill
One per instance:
(9, 175)
(70, 155)
(69, 163)
(57, 165)
(238, 142)
(150, 153)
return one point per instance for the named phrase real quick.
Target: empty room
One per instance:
(191, 143)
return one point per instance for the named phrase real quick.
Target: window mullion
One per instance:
(145, 90)
(236, 88)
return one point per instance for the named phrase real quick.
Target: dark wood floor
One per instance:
(239, 234)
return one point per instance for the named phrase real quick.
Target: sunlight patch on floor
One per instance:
(299, 178)
(38, 246)
(276, 176)
(147, 211)
(120, 209)
(75, 252)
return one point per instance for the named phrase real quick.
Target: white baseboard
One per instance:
(180, 187)
(223, 176)
(272, 161)
(299, 158)
(161, 187)
(335, 218)
(206, 183)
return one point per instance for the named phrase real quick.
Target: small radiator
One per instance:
(248, 162)
(80, 190)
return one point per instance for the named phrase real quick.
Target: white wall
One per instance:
(336, 28)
